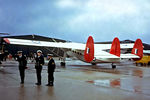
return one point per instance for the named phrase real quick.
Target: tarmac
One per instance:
(77, 81)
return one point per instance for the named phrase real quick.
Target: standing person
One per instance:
(38, 66)
(22, 65)
(51, 69)
(1, 58)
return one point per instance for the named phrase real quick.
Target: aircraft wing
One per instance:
(67, 45)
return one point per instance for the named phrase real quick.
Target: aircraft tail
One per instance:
(138, 49)
(115, 47)
(89, 50)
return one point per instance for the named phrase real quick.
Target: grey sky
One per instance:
(75, 20)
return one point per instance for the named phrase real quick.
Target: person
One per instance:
(38, 66)
(0, 58)
(22, 65)
(51, 69)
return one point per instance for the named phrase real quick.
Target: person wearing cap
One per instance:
(51, 69)
(22, 65)
(38, 66)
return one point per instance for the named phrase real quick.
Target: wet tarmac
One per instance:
(77, 81)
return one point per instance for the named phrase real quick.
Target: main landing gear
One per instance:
(93, 63)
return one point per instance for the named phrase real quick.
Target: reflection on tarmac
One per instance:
(137, 79)
(121, 84)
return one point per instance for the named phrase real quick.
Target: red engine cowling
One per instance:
(89, 50)
(138, 49)
(115, 47)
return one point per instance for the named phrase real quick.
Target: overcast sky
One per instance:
(75, 20)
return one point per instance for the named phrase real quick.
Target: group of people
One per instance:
(38, 66)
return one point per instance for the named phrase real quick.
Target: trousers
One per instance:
(50, 77)
(22, 74)
(38, 73)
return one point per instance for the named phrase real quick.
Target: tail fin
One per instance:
(115, 47)
(138, 49)
(89, 50)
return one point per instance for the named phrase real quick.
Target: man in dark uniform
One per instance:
(51, 69)
(22, 65)
(38, 66)
(1, 58)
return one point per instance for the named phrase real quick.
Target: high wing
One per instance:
(90, 49)
(67, 45)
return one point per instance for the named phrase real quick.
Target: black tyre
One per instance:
(113, 66)
(141, 64)
(136, 64)
(149, 63)
(93, 63)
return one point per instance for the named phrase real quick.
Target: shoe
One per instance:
(48, 85)
(37, 83)
(51, 84)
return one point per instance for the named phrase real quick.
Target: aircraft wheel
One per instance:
(93, 63)
(113, 66)
(136, 64)
(141, 64)
(148, 63)
(144, 64)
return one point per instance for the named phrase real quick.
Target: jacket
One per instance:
(22, 62)
(39, 62)
(51, 65)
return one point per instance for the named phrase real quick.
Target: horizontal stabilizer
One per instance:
(106, 57)
(129, 56)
